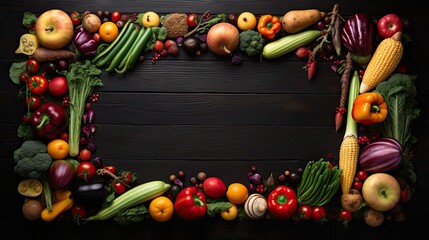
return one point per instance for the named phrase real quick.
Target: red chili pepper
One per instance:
(339, 112)
(49, 121)
(311, 68)
(282, 202)
(190, 203)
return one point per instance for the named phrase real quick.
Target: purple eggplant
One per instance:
(358, 37)
(85, 43)
(382, 155)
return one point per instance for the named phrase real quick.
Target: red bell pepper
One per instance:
(49, 121)
(282, 202)
(190, 203)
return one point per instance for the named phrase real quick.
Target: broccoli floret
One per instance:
(251, 42)
(32, 159)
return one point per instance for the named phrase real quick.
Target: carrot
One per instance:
(45, 54)
(296, 20)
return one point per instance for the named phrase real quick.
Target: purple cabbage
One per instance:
(358, 36)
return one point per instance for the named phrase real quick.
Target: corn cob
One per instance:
(384, 61)
(349, 150)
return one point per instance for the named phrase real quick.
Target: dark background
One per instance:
(204, 114)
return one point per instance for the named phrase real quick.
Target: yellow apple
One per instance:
(54, 29)
(230, 213)
(150, 19)
(246, 21)
(381, 191)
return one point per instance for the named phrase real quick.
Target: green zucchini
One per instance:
(131, 198)
(289, 43)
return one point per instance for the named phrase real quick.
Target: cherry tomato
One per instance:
(304, 212)
(119, 187)
(32, 66)
(127, 176)
(26, 117)
(23, 77)
(110, 168)
(345, 217)
(192, 20)
(78, 212)
(319, 214)
(362, 175)
(115, 16)
(158, 46)
(76, 18)
(85, 155)
(38, 84)
(357, 185)
(86, 170)
(33, 102)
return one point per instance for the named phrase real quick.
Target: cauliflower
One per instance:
(32, 159)
(251, 42)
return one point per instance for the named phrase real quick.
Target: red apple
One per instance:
(214, 187)
(54, 29)
(381, 191)
(389, 24)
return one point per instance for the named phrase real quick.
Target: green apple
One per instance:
(381, 191)
(54, 29)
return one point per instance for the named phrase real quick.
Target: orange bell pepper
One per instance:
(369, 108)
(269, 26)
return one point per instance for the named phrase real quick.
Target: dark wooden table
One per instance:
(204, 114)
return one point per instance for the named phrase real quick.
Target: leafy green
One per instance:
(29, 20)
(215, 207)
(15, 70)
(82, 79)
(131, 215)
(399, 91)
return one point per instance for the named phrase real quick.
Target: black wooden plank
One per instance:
(203, 109)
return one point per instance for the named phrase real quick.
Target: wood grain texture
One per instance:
(205, 114)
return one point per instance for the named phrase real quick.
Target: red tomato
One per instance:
(76, 18)
(37, 84)
(345, 217)
(119, 187)
(214, 187)
(23, 77)
(58, 86)
(110, 168)
(78, 212)
(33, 102)
(32, 66)
(362, 175)
(304, 212)
(319, 214)
(127, 176)
(357, 185)
(158, 46)
(85, 154)
(192, 20)
(116, 16)
(86, 170)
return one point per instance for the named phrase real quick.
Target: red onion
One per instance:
(85, 42)
(382, 155)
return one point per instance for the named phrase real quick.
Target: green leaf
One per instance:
(15, 70)
(29, 20)
(216, 207)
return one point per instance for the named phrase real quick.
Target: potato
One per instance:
(373, 217)
(32, 209)
(91, 22)
(297, 20)
(351, 201)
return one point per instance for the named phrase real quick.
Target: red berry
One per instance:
(302, 52)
